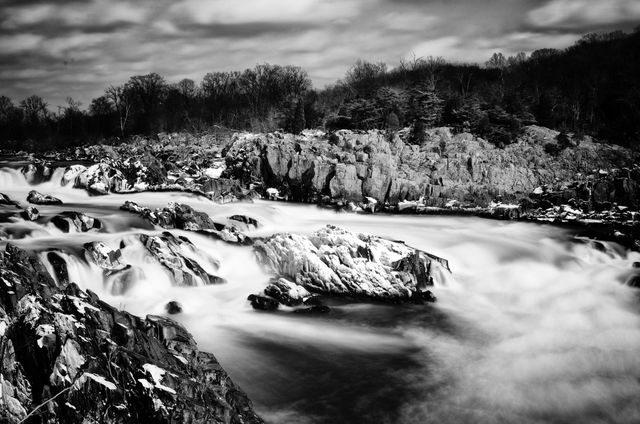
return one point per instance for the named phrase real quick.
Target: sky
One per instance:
(77, 48)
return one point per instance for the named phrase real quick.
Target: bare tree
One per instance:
(121, 102)
(34, 109)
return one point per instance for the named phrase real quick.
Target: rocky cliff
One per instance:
(349, 165)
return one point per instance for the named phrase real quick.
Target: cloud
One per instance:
(233, 12)
(584, 13)
(79, 47)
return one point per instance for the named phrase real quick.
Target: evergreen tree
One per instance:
(392, 123)
(418, 135)
(427, 105)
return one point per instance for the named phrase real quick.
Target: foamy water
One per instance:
(532, 327)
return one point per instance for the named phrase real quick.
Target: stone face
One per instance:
(101, 364)
(38, 198)
(360, 164)
(345, 184)
(337, 262)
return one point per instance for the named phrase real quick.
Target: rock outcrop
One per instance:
(333, 261)
(37, 172)
(184, 217)
(78, 221)
(7, 201)
(68, 357)
(38, 198)
(349, 166)
(177, 255)
(30, 214)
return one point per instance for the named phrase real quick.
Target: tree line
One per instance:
(591, 88)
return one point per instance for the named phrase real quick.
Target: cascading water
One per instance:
(533, 327)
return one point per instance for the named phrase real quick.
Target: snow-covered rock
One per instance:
(338, 262)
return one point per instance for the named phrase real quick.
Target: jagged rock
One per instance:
(37, 172)
(59, 267)
(99, 364)
(338, 262)
(286, 292)
(262, 303)
(184, 217)
(173, 307)
(6, 201)
(71, 174)
(80, 221)
(345, 184)
(421, 297)
(100, 254)
(38, 198)
(504, 211)
(101, 178)
(247, 220)
(30, 214)
(175, 215)
(132, 207)
(167, 250)
(371, 164)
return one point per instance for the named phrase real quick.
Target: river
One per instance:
(533, 326)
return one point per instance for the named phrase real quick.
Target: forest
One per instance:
(590, 88)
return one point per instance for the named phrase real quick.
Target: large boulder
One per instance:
(102, 178)
(38, 198)
(30, 214)
(71, 173)
(337, 262)
(287, 292)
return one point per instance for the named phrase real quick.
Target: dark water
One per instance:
(531, 327)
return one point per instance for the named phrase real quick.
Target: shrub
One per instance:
(418, 135)
(552, 149)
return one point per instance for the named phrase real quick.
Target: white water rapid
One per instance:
(532, 327)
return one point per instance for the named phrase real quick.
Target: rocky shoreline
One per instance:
(584, 183)
(68, 357)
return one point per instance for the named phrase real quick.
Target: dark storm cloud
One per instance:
(71, 47)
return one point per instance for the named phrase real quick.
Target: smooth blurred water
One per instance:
(532, 327)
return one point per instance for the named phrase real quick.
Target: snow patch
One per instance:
(157, 374)
(42, 331)
(98, 379)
